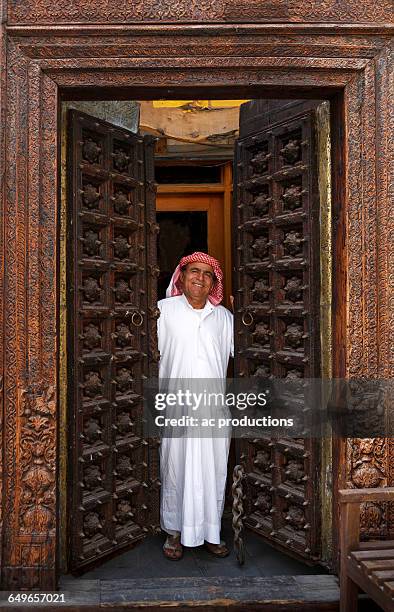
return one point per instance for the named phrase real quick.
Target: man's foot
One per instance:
(172, 548)
(219, 550)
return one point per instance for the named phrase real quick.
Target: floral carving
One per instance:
(124, 380)
(121, 247)
(123, 466)
(294, 335)
(291, 152)
(294, 374)
(91, 524)
(123, 511)
(261, 291)
(260, 162)
(294, 470)
(90, 196)
(367, 470)
(371, 516)
(120, 160)
(369, 466)
(91, 337)
(123, 335)
(91, 151)
(260, 247)
(122, 290)
(203, 11)
(293, 289)
(262, 460)
(92, 431)
(291, 197)
(37, 460)
(91, 289)
(292, 243)
(91, 243)
(263, 503)
(93, 385)
(92, 477)
(260, 204)
(124, 423)
(121, 202)
(261, 334)
(295, 517)
(262, 371)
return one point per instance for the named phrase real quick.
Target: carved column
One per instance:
(30, 357)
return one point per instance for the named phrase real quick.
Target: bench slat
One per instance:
(377, 545)
(364, 555)
(377, 565)
(389, 588)
(383, 576)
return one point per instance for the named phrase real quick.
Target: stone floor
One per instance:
(146, 560)
(143, 579)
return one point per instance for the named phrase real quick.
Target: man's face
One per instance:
(197, 279)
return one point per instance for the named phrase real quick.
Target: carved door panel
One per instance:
(277, 280)
(111, 344)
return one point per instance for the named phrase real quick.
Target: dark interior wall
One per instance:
(262, 109)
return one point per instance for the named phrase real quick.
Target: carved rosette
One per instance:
(294, 335)
(92, 337)
(292, 244)
(121, 202)
(90, 196)
(122, 335)
(91, 151)
(291, 152)
(261, 291)
(120, 160)
(293, 289)
(294, 471)
(121, 247)
(292, 197)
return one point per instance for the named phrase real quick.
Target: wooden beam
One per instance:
(196, 125)
(198, 188)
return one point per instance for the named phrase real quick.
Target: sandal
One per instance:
(173, 548)
(219, 550)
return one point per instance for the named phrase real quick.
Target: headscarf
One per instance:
(216, 293)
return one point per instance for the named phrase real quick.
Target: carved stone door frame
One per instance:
(348, 63)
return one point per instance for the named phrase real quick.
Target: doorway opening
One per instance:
(198, 204)
(180, 232)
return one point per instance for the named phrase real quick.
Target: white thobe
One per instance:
(193, 344)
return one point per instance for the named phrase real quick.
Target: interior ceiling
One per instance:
(187, 127)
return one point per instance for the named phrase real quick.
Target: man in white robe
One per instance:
(195, 336)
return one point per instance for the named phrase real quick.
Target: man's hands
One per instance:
(232, 302)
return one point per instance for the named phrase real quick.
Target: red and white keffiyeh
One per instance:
(216, 294)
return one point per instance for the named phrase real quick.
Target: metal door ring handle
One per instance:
(245, 314)
(140, 319)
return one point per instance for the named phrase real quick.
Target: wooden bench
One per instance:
(368, 565)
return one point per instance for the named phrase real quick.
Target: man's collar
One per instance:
(207, 308)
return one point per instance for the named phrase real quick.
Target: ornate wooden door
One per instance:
(112, 337)
(277, 280)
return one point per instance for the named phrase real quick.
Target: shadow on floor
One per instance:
(146, 560)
